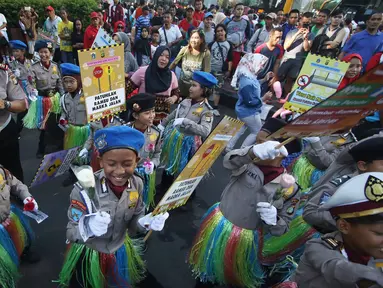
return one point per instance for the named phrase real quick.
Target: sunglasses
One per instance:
(120, 27)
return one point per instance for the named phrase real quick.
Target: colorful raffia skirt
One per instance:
(149, 186)
(15, 236)
(305, 173)
(226, 254)
(177, 149)
(93, 269)
(40, 110)
(76, 136)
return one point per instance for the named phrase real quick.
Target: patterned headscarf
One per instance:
(249, 66)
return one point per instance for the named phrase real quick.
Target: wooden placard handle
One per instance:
(287, 141)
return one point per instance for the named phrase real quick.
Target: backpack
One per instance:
(319, 48)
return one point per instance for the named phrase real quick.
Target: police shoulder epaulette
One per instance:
(35, 63)
(156, 129)
(4, 67)
(340, 180)
(333, 243)
(53, 62)
(78, 186)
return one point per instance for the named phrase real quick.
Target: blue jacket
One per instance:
(249, 98)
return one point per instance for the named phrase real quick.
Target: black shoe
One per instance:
(30, 256)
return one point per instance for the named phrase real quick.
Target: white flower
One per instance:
(85, 176)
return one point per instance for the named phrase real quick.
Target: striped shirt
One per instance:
(142, 21)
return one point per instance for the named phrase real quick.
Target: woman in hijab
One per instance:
(119, 26)
(142, 47)
(249, 104)
(159, 80)
(129, 61)
(219, 17)
(353, 71)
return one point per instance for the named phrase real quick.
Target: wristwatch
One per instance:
(7, 104)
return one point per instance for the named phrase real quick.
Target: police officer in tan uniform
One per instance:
(47, 78)
(351, 256)
(368, 157)
(22, 69)
(12, 100)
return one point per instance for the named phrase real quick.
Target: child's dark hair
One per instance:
(220, 26)
(155, 31)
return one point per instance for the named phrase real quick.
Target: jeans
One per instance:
(66, 57)
(254, 123)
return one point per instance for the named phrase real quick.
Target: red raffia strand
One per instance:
(14, 234)
(104, 264)
(47, 104)
(230, 251)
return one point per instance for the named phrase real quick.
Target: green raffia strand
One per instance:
(90, 266)
(76, 136)
(171, 152)
(298, 227)
(19, 227)
(218, 254)
(152, 189)
(55, 101)
(136, 266)
(8, 270)
(30, 120)
(176, 151)
(302, 171)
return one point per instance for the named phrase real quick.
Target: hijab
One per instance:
(249, 66)
(124, 40)
(159, 79)
(143, 44)
(218, 18)
(347, 81)
(116, 25)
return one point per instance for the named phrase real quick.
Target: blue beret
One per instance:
(17, 44)
(69, 69)
(40, 44)
(118, 137)
(205, 79)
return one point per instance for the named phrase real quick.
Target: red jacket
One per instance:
(89, 36)
(116, 14)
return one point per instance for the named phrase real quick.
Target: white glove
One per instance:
(267, 212)
(155, 223)
(178, 121)
(161, 127)
(30, 204)
(312, 139)
(98, 223)
(17, 73)
(149, 167)
(267, 150)
(83, 153)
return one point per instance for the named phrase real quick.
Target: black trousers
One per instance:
(52, 135)
(10, 150)
(20, 117)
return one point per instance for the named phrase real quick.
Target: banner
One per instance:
(103, 81)
(318, 79)
(103, 39)
(198, 166)
(43, 35)
(54, 165)
(341, 111)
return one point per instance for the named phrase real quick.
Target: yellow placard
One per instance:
(103, 81)
(198, 166)
(318, 79)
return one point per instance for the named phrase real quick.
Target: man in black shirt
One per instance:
(158, 20)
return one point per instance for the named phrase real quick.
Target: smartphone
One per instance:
(306, 26)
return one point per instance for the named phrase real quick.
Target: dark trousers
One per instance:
(52, 135)
(20, 117)
(10, 150)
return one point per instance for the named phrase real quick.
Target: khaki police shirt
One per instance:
(324, 266)
(152, 148)
(246, 188)
(47, 79)
(9, 92)
(10, 185)
(198, 118)
(73, 108)
(124, 213)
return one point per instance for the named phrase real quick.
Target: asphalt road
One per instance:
(167, 250)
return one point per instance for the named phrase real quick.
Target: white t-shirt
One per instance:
(172, 34)
(346, 36)
(52, 27)
(4, 30)
(153, 49)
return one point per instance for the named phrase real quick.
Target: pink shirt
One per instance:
(138, 78)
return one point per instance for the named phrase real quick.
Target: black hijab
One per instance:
(158, 80)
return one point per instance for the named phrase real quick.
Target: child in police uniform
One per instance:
(226, 248)
(142, 113)
(193, 120)
(16, 235)
(352, 256)
(101, 253)
(368, 157)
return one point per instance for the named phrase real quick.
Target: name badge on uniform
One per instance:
(54, 70)
(104, 188)
(209, 117)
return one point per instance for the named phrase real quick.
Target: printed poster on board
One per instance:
(103, 81)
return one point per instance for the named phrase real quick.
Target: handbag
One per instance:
(225, 65)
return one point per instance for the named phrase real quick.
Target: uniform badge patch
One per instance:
(339, 181)
(78, 204)
(324, 198)
(374, 189)
(76, 213)
(133, 198)
(153, 137)
(101, 142)
(290, 210)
